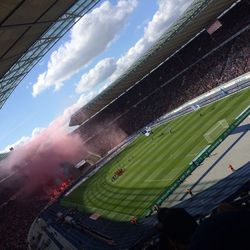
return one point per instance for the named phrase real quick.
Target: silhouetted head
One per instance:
(228, 230)
(176, 227)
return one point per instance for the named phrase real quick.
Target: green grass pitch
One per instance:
(152, 163)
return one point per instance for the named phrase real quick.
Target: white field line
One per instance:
(242, 112)
(76, 186)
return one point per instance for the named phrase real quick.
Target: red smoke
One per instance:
(41, 157)
(106, 137)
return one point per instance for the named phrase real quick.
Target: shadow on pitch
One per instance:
(241, 129)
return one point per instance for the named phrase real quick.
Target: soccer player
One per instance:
(156, 208)
(231, 168)
(133, 220)
(189, 190)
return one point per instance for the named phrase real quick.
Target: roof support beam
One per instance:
(24, 60)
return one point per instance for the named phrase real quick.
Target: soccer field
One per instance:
(152, 163)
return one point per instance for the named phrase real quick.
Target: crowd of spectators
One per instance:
(16, 218)
(9, 187)
(227, 62)
(205, 63)
(225, 227)
(213, 60)
(18, 209)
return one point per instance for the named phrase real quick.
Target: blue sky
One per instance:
(99, 48)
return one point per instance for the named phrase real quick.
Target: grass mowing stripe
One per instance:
(161, 158)
(161, 148)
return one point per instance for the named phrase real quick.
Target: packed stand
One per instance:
(215, 59)
(19, 207)
(16, 218)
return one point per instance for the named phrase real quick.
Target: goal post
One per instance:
(216, 130)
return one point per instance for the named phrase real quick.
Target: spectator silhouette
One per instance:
(176, 228)
(228, 230)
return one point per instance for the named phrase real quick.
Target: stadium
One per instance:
(171, 132)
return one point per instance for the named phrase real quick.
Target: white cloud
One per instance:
(23, 140)
(142, 25)
(88, 38)
(37, 131)
(167, 13)
(60, 122)
(102, 70)
(19, 142)
(82, 100)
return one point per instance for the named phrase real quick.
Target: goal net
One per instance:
(214, 132)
